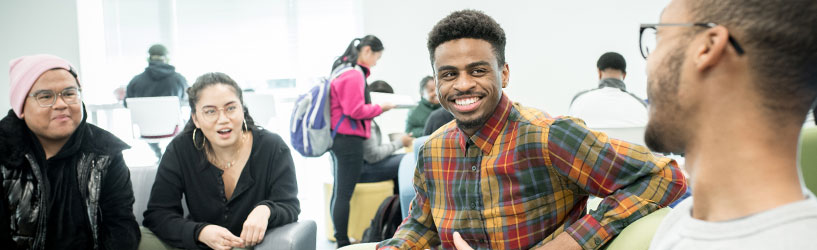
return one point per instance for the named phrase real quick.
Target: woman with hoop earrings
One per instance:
(238, 180)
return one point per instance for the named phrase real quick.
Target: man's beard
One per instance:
(475, 123)
(664, 131)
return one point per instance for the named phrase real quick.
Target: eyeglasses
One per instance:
(47, 98)
(211, 114)
(647, 40)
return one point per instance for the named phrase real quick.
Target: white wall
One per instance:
(251, 40)
(33, 27)
(257, 40)
(552, 46)
(115, 36)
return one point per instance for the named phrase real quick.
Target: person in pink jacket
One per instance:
(351, 106)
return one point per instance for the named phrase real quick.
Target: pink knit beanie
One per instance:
(24, 71)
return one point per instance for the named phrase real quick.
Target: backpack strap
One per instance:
(340, 70)
(395, 204)
(335, 74)
(394, 212)
(337, 125)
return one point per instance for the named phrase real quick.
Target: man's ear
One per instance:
(623, 76)
(506, 74)
(711, 49)
(599, 74)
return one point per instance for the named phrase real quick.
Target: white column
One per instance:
(167, 24)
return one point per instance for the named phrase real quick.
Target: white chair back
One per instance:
(393, 121)
(155, 117)
(261, 107)
(628, 134)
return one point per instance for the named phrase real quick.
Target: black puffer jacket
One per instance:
(159, 79)
(95, 202)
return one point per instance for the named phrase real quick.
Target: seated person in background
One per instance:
(731, 89)
(64, 182)
(379, 161)
(437, 119)
(381, 86)
(238, 180)
(405, 173)
(159, 79)
(428, 102)
(505, 176)
(610, 105)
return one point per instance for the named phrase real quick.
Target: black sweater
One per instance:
(267, 179)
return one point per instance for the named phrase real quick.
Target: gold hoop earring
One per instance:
(202, 141)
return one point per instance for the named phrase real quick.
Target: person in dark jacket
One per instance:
(64, 182)
(418, 116)
(238, 180)
(159, 79)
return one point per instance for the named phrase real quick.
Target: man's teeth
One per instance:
(466, 101)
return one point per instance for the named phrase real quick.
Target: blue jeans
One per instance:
(382, 170)
(405, 181)
(405, 176)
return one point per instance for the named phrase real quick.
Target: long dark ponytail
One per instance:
(352, 51)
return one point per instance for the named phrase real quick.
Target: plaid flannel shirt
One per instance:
(524, 178)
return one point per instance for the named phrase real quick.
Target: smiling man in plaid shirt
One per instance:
(504, 176)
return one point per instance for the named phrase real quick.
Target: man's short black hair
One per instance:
(468, 24)
(381, 86)
(612, 60)
(780, 41)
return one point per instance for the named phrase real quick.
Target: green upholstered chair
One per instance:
(638, 235)
(808, 157)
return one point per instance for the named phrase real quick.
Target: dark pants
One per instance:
(348, 152)
(349, 170)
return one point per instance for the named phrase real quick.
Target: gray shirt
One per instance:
(374, 150)
(791, 226)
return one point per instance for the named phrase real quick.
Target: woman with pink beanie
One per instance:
(64, 182)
